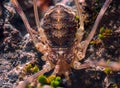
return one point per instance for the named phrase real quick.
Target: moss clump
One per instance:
(58, 78)
(108, 70)
(31, 68)
(92, 42)
(42, 79)
(35, 69)
(51, 78)
(102, 30)
(104, 33)
(53, 81)
(100, 36)
(28, 67)
(115, 85)
(56, 82)
(29, 86)
(77, 18)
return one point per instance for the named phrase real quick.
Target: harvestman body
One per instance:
(60, 38)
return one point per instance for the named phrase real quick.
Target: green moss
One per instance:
(115, 85)
(35, 69)
(42, 79)
(108, 62)
(92, 42)
(29, 86)
(28, 68)
(55, 83)
(77, 18)
(58, 79)
(104, 33)
(51, 78)
(108, 31)
(102, 30)
(100, 36)
(108, 70)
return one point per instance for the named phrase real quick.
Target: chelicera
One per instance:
(60, 38)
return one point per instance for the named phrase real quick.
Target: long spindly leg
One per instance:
(41, 31)
(77, 65)
(40, 45)
(82, 47)
(56, 69)
(80, 31)
(46, 68)
(67, 77)
(97, 21)
(102, 64)
(36, 14)
(22, 15)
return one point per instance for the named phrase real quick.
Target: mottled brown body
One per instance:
(60, 26)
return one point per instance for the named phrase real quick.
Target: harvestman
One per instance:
(60, 39)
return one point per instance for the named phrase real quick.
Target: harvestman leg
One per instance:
(30, 79)
(22, 15)
(47, 67)
(42, 35)
(76, 64)
(80, 31)
(40, 45)
(114, 66)
(36, 14)
(95, 26)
